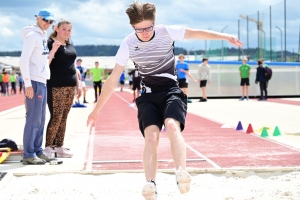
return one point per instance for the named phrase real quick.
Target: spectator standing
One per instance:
(13, 80)
(20, 80)
(136, 83)
(97, 76)
(34, 66)
(122, 81)
(261, 79)
(83, 72)
(61, 87)
(245, 82)
(204, 77)
(5, 83)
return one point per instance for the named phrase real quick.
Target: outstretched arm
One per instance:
(211, 35)
(188, 73)
(109, 86)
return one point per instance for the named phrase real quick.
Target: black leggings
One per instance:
(13, 87)
(263, 87)
(97, 85)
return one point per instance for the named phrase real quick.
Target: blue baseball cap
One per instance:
(46, 14)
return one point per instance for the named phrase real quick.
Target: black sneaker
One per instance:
(84, 101)
(203, 100)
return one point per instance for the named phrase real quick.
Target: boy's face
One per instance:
(205, 62)
(96, 65)
(144, 30)
(79, 63)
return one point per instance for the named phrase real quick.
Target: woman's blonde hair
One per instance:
(54, 33)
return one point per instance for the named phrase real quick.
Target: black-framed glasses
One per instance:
(48, 21)
(147, 29)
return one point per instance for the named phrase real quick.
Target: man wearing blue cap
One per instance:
(34, 66)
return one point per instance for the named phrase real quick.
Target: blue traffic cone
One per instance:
(239, 126)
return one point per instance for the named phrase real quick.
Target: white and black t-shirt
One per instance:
(154, 59)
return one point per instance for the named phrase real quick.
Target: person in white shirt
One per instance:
(162, 102)
(34, 66)
(204, 77)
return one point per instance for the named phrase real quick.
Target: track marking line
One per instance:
(124, 100)
(202, 156)
(140, 161)
(11, 110)
(89, 164)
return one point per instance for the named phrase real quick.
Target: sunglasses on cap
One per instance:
(48, 21)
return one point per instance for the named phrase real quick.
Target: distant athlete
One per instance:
(245, 75)
(162, 102)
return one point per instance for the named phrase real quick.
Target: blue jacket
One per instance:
(260, 74)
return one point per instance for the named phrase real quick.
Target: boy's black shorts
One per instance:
(245, 81)
(182, 83)
(136, 85)
(154, 108)
(203, 83)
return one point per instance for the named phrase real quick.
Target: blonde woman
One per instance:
(61, 87)
(35, 70)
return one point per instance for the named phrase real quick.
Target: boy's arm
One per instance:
(188, 73)
(211, 35)
(109, 86)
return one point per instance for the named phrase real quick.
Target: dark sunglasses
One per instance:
(140, 30)
(48, 21)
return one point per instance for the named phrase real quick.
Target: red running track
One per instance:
(118, 138)
(8, 102)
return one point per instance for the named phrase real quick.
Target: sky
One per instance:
(99, 22)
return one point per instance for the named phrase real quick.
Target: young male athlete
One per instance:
(162, 102)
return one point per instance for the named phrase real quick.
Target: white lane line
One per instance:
(202, 156)
(11, 110)
(125, 100)
(89, 164)
(196, 152)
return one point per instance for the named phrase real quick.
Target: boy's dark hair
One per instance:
(79, 60)
(138, 12)
(204, 59)
(260, 61)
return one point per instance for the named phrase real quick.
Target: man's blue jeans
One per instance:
(35, 120)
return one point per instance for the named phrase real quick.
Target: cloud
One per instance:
(105, 22)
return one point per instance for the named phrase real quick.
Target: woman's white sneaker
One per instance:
(62, 152)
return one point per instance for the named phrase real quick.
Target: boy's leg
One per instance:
(178, 147)
(243, 91)
(204, 92)
(150, 151)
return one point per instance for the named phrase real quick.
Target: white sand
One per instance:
(226, 186)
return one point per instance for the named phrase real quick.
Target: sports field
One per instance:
(225, 163)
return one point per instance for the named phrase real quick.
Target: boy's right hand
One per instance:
(92, 119)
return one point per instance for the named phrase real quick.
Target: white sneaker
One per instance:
(48, 152)
(149, 191)
(183, 179)
(63, 152)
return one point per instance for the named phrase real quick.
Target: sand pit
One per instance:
(225, 186)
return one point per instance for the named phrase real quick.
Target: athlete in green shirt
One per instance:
(97, 75)
(244, 75)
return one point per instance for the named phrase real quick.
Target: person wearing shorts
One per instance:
(122, 81)
(204, 77)
(83, 72)
(136, 83)
(162, 102)
(245, 75)
(97, 75)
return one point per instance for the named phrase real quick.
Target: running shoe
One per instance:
(33, 161)
(46, 158)
(247, 99)
(241, 99)
(48, 151)
(63, 152)
(149, 191)
(183, 179)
